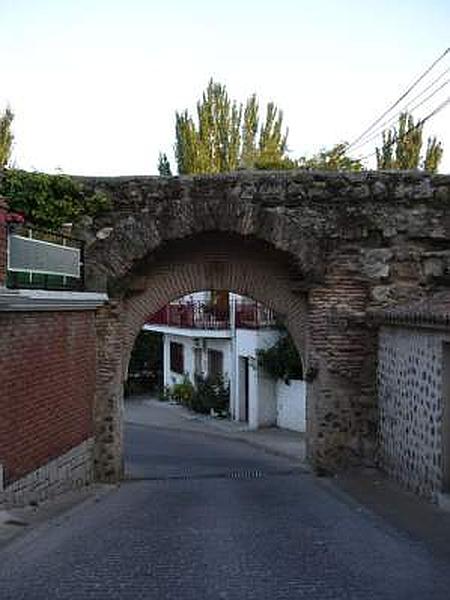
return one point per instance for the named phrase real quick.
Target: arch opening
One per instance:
(252, 268)
(225, 356)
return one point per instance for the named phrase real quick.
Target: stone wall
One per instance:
(322, 249)
(73, 469)
(410, 385)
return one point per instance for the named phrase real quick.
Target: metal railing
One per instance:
(254, 315)
(197, 315)
(41, 259)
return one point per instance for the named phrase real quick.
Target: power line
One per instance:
(416, 97)
(411, 129)
(402, 97)
(383, 127)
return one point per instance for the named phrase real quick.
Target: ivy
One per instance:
(49, 201)
(282, 360)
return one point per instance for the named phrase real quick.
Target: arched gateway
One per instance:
(321, 249)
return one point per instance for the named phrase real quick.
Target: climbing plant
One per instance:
(282, 360)
(49, 200)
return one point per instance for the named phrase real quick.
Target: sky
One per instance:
(94, 84)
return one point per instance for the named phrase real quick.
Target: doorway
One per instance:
(243, 388)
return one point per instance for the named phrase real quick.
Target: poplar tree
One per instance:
(402, 147)
(226, 136)
(164, 165)
(6, 136)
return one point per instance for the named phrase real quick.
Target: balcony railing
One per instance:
(196, 315)
(39, 259)
(253, 316)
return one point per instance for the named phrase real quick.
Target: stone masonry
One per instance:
(322, 249)
(414, 395)
(410, 387)
(73, 469)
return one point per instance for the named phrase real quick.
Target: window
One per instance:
(176, 358)
(215, 363)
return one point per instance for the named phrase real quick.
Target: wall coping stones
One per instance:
(430, 312)
(44, 300)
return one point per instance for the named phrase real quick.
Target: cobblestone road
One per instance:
(208, 518)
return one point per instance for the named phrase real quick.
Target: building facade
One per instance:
(208, 336)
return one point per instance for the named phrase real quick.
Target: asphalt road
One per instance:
(207, 518)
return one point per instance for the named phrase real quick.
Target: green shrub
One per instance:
(211, 394)
(208, 394)
(164, 394)
(183, 392)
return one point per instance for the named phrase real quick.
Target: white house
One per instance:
(222, 338)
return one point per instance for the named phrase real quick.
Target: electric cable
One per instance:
(395, 118)
(417, 125)
(406, 108)
(401, 98)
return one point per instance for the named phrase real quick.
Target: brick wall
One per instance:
(47, 387)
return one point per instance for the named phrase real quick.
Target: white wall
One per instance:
(291, 405)
(267, 400)
(270, 402)
(222, 345)
(262, 400)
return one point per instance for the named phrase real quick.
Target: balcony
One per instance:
(197, 315)
(39, 259)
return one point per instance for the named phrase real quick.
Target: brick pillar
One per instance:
(342, 352)
(3, 239)
(108, 408)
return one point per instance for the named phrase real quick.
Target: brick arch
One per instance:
(163, 211)
(209, 261)
(322, 317)
(216, 261)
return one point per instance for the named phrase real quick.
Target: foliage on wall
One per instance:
(334, 159)
(282, 360)
(49, 201)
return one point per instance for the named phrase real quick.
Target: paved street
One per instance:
(205, 517)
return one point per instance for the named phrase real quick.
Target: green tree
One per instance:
(164, 165)
(6, 136)
(225, 136)
(335, 159)
(402, 147)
